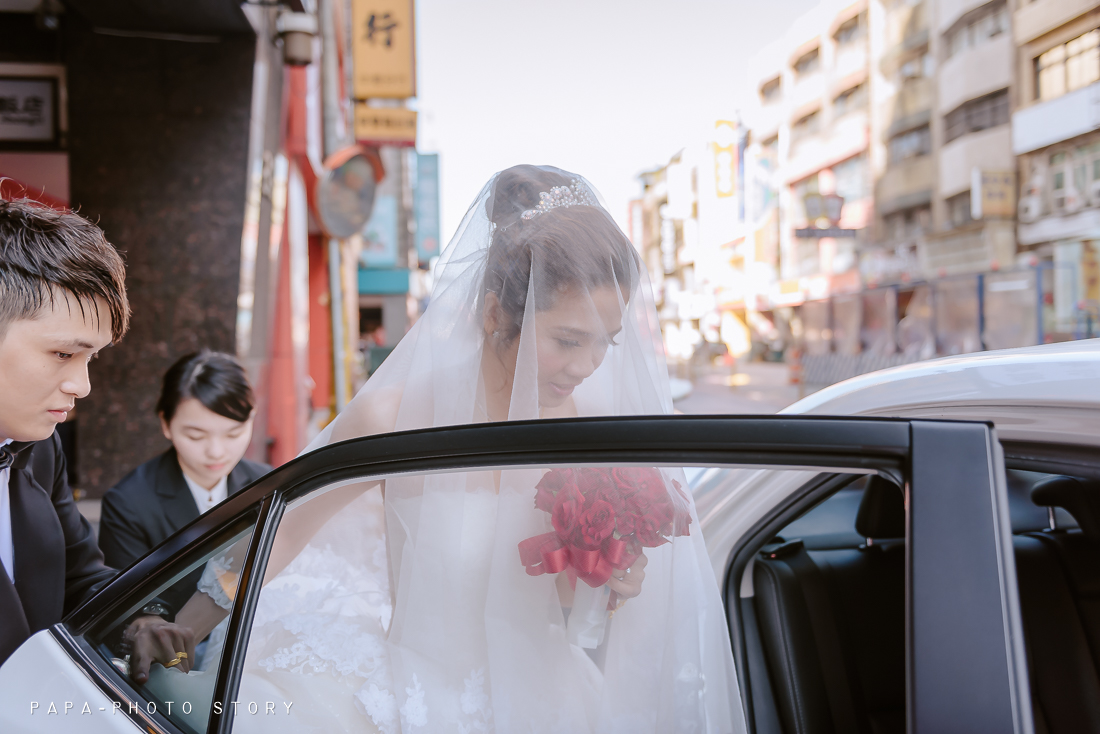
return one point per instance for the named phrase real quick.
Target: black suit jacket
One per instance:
(152, 502)
(57, 562)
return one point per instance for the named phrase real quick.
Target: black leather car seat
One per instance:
(832, 625)
(1058, 573)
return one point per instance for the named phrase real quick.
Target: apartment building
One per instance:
(971, 135)
(912, 127)
(811, 135)
(1056, 136)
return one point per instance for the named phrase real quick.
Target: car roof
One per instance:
(1049, 393)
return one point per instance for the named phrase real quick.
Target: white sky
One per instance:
(603, 88)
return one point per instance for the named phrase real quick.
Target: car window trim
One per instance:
(883, 455)
(112, 682)
(1076, 460)
(114, 686)
(526, 442)
(878, 444)
(240, 621)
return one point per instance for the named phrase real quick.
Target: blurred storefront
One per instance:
(194, 134)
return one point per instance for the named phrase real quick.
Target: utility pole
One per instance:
(333, 141)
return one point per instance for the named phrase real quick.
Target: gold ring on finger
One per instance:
(171, 663)
(181, 656)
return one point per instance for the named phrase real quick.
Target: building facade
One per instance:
(1056, 136)
(903, 112)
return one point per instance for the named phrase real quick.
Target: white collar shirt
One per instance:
(206, 499)
(7, 544)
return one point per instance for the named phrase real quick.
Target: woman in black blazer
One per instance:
(205, 409)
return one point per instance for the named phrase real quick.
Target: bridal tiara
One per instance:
(575, 194)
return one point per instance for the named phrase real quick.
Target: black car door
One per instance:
(964, 664)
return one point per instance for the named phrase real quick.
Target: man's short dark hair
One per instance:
(44, 252)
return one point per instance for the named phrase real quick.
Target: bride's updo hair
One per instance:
(567, 248)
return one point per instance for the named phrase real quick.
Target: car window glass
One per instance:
(201, 586)
(348, 570)
(321, 650)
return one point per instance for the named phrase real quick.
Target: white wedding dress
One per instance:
(320, 640)
(418, 616)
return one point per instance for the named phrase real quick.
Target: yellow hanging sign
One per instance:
(384, 49)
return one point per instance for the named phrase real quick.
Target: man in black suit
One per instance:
(62, 300)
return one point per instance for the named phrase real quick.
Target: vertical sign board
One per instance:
(427, 207)
(380, 243)
(992, 194)
(726, 158)
(383, 49)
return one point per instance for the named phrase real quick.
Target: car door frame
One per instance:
(881, 445)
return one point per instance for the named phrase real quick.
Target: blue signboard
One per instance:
(427, 207)
(380, 235)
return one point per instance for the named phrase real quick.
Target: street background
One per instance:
(817, 188)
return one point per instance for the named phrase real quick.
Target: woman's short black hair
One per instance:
(215, 379)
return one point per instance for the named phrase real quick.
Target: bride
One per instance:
(402, 606)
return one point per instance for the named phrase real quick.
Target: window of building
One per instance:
(851, 179)
(1058, 181)
(1067, 67)
(850, 31)
(850, 99)
(910, 144)
(977, 114)
(806, 125)
(977, 27)
(770, 91)
(958, 209)
(919, 67)
(808, 63)
(908, 223)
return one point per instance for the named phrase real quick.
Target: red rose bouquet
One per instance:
(602, 519)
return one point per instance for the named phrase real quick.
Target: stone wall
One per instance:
(158, 156)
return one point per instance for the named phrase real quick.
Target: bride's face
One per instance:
(572, 339)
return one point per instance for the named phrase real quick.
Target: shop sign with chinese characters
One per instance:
(27, 112)
(992, 194)
(384, 49)
(385, 125)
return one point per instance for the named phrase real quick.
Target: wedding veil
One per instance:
(541, 308)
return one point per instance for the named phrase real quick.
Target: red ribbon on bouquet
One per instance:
(547, 553)
(602, 519)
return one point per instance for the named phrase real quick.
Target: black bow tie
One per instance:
(10, 451)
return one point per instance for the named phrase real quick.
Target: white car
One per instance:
(867, 543)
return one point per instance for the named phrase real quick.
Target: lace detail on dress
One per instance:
(414, 712)
(216, 577)
(475, 703)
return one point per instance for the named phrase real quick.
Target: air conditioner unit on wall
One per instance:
(1094, 193)
(1030, 208)
(1074, 201)
(1058, 201)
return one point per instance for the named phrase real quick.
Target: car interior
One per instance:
(824, 631)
